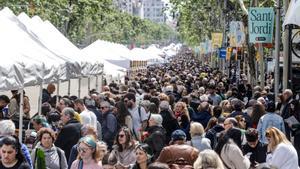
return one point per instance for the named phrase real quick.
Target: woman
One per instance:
(282, 153)
(257, 111)
(54, 157)
(208, 159)
(198, 140)
(11, 154)
(123, 151)
(182, 114)
(241, 122)
(89, 154)
(87, 130)
(123, 115)
(143, 156)
(230, 153)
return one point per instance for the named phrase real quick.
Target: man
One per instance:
(8, 128)
(4, 101)
(86, 116)
(238, 110)
(178, 150)
(235, 133)
(46, 95)
(216, 99)
(288, 109)
(138, 114)
(108, 124)
(157, 134)
(70, 132)
(254, 149)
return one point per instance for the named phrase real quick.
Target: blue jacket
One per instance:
(266, 121)
(26, 154)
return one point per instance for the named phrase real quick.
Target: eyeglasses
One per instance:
(102, 107)
(81, 149)
(225, 124)
(268, 135)
(243, 120)
(126, 100)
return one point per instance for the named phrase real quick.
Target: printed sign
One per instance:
(216, 39)
(261, 25)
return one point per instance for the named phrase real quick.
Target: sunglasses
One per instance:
(121, 135)
(102, 107)
(81, 149)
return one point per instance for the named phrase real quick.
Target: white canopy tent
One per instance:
(103, 50)
(293, 15)
(70, 66)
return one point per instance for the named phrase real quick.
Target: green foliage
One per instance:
(84, 21)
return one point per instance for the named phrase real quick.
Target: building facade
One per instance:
(145, 9)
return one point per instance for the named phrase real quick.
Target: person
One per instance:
(123, 115)
(257, 112)
(282, 153)
(53, 156)
(8, 128)
(156, 134)
(230, 153)
(178, 150)
(86, 116)
(144, 156)
(231, 123)
(158, 165)
(169, 120)
(241, 122)
(46, 94)
(198, 140)
(123, 153)
(86, 130)
(108, 124)
(11, 154)
(182, 114)
(4, 102)
(70, 132)
(89, 154)
(212, 134)
(287, 109)
(14, 106)
(208, 159)
(270, 119)
(38, 122)
(138, 114)
(255, 150)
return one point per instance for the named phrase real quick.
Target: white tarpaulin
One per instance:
(69, 68)
(292, 15)
(102, 50)
(21, 50)
(87, 68)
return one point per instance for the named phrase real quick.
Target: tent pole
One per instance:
(21, 114)
(79, 87)
(40, 99)
(89, 84)
(101, 83)
(57, 92)
(69, 87)
(97, 83)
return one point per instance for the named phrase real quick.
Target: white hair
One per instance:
(157, 119)
(208, 159)
(7, 127)
(164, 105)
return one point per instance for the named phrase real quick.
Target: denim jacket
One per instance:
(266, 121)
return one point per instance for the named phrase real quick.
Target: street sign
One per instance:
(222, 53)
(261, 25)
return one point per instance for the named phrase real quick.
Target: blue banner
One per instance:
(261, 25)
(222, 53)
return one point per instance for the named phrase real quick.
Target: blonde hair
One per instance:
(184, 107)
(97, 155)
(77, 117)
(196, 129)
(277, 137)
(208, 159)
(163, 97)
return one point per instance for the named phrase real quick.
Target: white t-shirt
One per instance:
(284, 157)
(88, 117)
(137, 119)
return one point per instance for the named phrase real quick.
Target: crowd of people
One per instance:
(182, 114)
